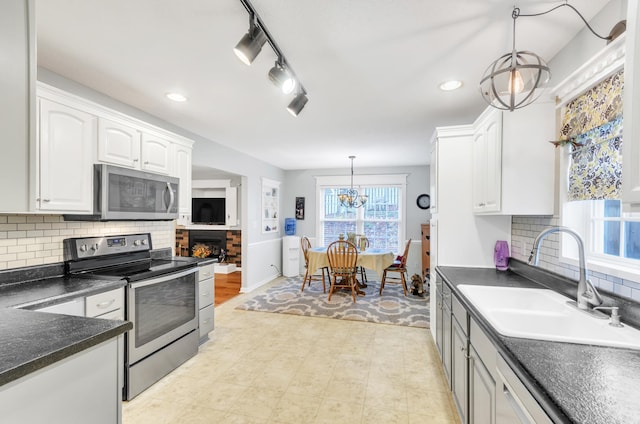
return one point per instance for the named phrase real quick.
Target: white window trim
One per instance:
(379, 180)
(605, 63)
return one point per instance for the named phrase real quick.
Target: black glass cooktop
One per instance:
(141, 270)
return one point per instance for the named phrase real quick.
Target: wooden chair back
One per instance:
(343, 257)
(305, 244)
(403, 260)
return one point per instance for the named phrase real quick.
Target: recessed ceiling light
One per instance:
(450, 85)
(176, 97)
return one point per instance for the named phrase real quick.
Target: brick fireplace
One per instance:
(185, 239)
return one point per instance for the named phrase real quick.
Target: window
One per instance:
(611, 236)
(381, 219)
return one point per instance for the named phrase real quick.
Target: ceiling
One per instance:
(371, 67)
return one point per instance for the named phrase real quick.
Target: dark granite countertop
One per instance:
(573, 383)
(32, 340)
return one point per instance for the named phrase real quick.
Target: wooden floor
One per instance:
(227, 286)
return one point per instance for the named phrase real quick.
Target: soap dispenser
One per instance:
(501, 255)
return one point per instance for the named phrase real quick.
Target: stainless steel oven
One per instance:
(161, 302)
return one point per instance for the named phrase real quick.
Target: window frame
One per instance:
(359, 182)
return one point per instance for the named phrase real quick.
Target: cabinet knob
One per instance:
(46, 200)
(136, 160)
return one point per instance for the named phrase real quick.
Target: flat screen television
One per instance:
(208, 210)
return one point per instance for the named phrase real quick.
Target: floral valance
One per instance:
(593, 122)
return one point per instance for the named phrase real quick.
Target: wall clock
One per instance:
(424, 201)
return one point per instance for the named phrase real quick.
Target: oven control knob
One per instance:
(144, 242)
(83, 248)
(95, 246)
(136, 243)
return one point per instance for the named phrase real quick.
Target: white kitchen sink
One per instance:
(543, 314)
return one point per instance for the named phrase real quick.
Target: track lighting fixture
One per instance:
(281, 74)
(298, 103)
(517, 78)
(281, 78)
(251, 43)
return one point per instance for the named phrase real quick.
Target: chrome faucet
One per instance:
(587, 296)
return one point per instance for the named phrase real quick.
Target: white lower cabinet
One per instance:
(107, 305)
(73, 307)
(73, 390)
(206, 290)
(484, 388)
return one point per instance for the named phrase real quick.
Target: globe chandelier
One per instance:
(518, 78)
(351, 198)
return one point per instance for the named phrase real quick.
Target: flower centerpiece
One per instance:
(201, 250)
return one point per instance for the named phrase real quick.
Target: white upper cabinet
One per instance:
(156, 154)
(118, 143)
(17, 102)
(631, 155)
(182, 169)
(231, 206)
(66, 141)
(513, 163)
(487, 158)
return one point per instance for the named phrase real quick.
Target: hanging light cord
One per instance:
(516, 14)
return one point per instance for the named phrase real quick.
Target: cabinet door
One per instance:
(446, 340)
(487, 163)
(433, 178)
(66, 140)
(17, 82)
(631, 156)
(482, 392)
(156, 154)
(459, 370)
(231, 206)
(118, 144)
(182, 170)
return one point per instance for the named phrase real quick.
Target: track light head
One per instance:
(250, 44)
(297, 104)
(281, 78)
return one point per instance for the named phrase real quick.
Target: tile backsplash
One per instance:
(27, 240)
(524, 230)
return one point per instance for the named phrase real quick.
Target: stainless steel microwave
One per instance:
(123, 194)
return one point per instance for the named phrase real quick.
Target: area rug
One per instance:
(390, 308)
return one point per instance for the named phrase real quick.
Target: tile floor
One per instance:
(265, 368)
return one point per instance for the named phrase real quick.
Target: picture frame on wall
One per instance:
(299, 207)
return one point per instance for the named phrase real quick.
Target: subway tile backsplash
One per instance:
(27, 240)
(524, 230)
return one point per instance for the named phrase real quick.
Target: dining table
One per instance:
(372, 258)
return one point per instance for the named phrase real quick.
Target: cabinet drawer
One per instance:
(205, 272)
(102, 303)
(460, 313)
(206, 318)
(205, 290)
(118, 314)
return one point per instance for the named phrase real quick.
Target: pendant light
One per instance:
(351, 199)
(518, 78)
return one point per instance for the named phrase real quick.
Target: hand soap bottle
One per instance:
(501, 255)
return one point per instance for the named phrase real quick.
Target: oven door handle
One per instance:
(163, 278)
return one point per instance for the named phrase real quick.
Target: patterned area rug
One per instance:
(390, 308)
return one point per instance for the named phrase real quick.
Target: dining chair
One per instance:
(305, 244)
(400, 267)
(364, 242)
(343, 257)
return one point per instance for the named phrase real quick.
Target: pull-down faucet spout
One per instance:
(587, 295)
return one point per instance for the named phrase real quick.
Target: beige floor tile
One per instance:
(385, 416)
(340, 411)
(264, 368)
(296, 409)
